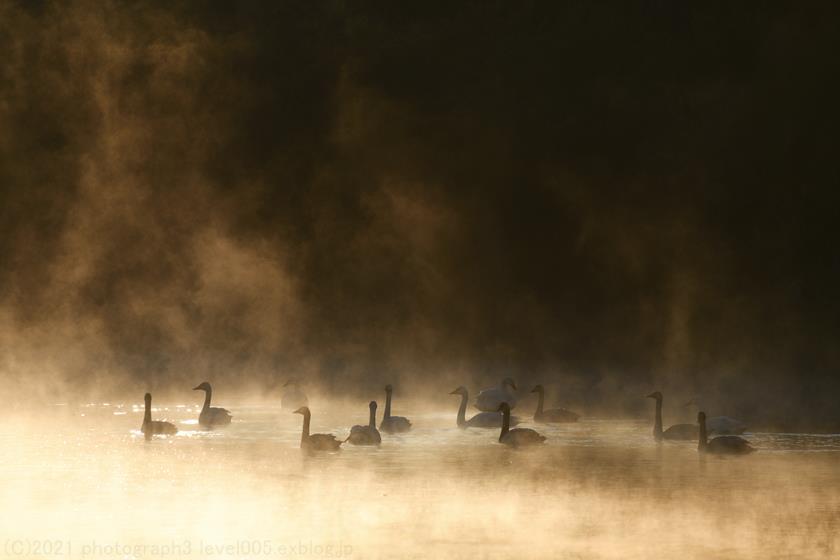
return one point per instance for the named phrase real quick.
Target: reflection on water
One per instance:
(84, 481)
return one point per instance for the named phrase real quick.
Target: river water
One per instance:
(81, 482)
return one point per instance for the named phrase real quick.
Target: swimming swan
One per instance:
(214, 416)
(721, 445)
(552, 414)
(155, 427)
(488, 400)
(315, 442)
(677, 432)
(516, 437)
(392, 424)
(480, 420)
(294, 397)
(366, 435)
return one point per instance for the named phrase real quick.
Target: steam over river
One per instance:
(81, 482)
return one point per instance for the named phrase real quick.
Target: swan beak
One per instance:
(651, 396)
(534, 390)
(455, 392)
(286, 384)
(515, 388)
(196, 388)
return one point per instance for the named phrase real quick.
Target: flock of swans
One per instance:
(495, 406)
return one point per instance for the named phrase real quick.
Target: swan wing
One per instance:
(394, 424)
(522, 436)
(730, 445)
(323, 441)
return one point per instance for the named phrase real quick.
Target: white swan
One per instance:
(516, 437)
(366, 435)
(480, 420)
(293, 397)
(315, 442)
(488, 400)
(155, 427)
(721, 425)
(214, 416)
(392, 424)
(722, 445)
(556, 415)
(680, 432)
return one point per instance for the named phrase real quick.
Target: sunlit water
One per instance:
(83, 483)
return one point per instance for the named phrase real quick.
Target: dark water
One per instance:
(83, 483)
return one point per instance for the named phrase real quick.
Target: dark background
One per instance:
(606, 197)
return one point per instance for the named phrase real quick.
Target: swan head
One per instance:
(655, 395)
(701, 417)
(538, 389)
(388, 389)
(148, 398)
(691, 402)
(504, 407)
(293, 382)
(507, 381)
(459, 391)
(302, 410)
(203, 387)
(372, 405)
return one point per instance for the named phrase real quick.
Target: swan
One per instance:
(681, 432)
(294, 397)
(721, 425)
(392, 424)
(480, 420)
(488, 400)
(315, 442)
(517, 436)
(155, 427)
(211, 416)
(721, 445)
(366, 435)
(552, 414)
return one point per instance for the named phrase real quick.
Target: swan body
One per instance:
(293, 397)
(488, 400)
(392, 424)
(552, 415)
(517, 437)
(211, 416)
(366, 435)
(315, 442)
(480, 420)
(155, 427)
(721, 445)
(677, 432)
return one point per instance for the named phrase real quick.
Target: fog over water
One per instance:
(608, 200)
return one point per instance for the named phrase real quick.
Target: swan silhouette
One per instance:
(392, 424)
(366, 435)
(488, 400)
(211, 416)
(677, 432)
(155, 427)
(721, 445)
(554, 415)
(315, 442)
(516, 437)
(480, 420)
(294, 397)
(721, 425)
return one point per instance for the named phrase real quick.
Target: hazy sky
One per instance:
(610, 197)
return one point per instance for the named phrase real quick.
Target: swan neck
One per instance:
(372, 423)
(505, 423)
(147, 415)
(540, 403)
(462, 410)
(207, 394)
(703, 441)
(387, 413)
(657, 424)
(304, 437)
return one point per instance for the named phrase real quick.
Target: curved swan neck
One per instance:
(505, 423)
(540, 402)
(387, 413)
(304, 437)
(657, 424)
(372, 423)
(462, 410)
(207, 394)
